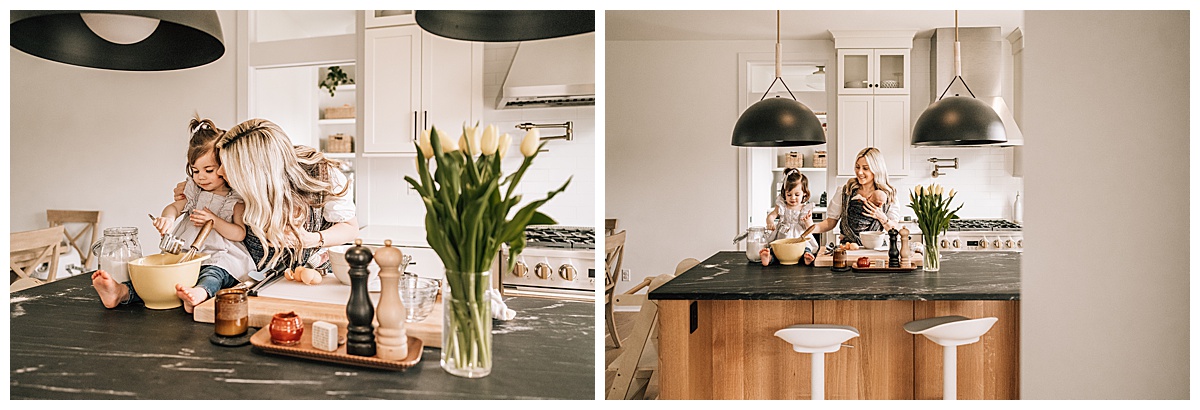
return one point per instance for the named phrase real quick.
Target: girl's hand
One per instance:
(161, 224)
(200, 216)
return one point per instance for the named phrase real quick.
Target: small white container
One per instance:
(325, 336)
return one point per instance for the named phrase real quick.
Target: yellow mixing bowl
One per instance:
(789, 251)
(154, 278)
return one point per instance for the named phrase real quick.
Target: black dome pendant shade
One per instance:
(778, 122)
(958, 120)
(506, 25)
(183, 39)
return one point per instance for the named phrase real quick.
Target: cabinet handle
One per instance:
(416, 132)
(424, 120)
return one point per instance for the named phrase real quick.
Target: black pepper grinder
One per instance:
(360, 334)
(893, 250)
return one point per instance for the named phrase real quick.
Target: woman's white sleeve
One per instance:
(834, 210)
(342, 208)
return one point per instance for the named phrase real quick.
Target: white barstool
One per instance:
(950, 332)
(817, 340)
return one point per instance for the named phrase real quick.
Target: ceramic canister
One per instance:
(286, 329)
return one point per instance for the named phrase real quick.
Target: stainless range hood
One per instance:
(557, 72)
(983, 66)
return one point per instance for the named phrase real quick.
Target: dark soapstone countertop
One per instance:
(65, 345)
(728, 275)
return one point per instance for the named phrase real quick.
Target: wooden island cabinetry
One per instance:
(717, 332)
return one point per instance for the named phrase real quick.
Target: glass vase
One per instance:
(467, 324)
(932, 260)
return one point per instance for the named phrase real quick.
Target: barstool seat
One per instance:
(950, 332)
(817, 339)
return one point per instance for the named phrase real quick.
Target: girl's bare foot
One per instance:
(809, 258)
(190, 297)
(765, 255)
(111, 293)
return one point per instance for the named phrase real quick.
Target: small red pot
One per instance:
(286, 329)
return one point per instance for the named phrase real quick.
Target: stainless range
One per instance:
(982, 235)
(558, 262)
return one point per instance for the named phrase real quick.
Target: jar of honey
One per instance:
(839, 259)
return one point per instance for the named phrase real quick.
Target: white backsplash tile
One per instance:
(564, 159)
(983, 181)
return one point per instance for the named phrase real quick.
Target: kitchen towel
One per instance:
(499, 309)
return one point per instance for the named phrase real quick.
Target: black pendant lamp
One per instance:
(958, 120)
(128, 40)
(778, 122)
(506, 25)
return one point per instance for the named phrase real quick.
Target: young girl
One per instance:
(208, 198)
(794, 213)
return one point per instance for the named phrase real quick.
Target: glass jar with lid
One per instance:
(119, 247)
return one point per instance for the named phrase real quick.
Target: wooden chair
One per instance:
(640, 359)
(90, 221)
(610, 226)
(614, 254)
(30, 249)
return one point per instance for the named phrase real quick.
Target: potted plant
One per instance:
(334, 78)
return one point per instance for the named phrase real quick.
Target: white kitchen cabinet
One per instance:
(880, 71)
(880, 121)
(384, 18)
(412, 80)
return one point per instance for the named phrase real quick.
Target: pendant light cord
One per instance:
(778, 62)
(957, 63)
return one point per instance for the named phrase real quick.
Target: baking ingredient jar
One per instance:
(755, 240)
(232, 312)
(116, 250)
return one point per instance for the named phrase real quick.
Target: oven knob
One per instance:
(567, 272)
(996, 244)
(1008, 243)
(954, 243)
(1020, 243)
(945, 244)
(520, 270)
(542, 270)
(983, 244)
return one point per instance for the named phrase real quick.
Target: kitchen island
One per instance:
(65, 345)
(717, 323)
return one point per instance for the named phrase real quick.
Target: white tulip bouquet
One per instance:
(468, 203)
(933, 217)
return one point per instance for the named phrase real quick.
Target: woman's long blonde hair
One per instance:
(879, 168)
(263, 166)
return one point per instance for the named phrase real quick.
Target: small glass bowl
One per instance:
(418, 295)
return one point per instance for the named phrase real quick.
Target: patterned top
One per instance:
(793, 222)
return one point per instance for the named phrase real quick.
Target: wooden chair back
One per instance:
(30, 249)
(88, 221)
(610, 226)
(614, 254)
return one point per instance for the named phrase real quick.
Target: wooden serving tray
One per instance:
(911, 267)
(305, 350)
(263, 308)
(825, 261)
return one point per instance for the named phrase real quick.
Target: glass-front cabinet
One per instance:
(873, 71)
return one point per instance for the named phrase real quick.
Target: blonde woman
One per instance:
(296, 202)
(855, 205)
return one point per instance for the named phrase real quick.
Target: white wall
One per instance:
(577, 205)
(1106, 161)
(85, 138)
(671, 175)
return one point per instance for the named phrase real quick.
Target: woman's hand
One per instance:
(178, 191)
(200, 216)
(875, 212)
